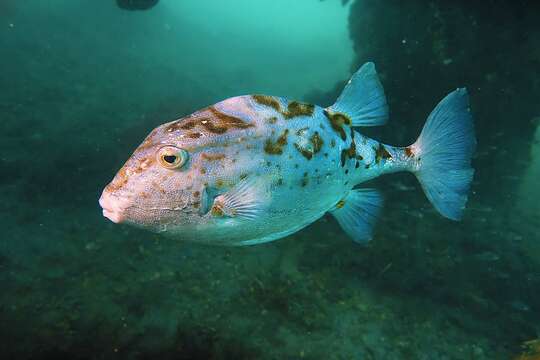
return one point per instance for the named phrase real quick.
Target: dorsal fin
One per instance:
(362, 99)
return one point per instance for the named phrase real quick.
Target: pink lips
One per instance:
(112, 209)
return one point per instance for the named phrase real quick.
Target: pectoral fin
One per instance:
(245, 200)
(358, 212)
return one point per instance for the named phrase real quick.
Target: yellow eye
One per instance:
(171, 157)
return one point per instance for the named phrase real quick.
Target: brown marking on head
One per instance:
(213, 156)
(340, 204)
(119, 180)
(182, 124)
(267, 101)
(197, 193)
(202, 170)
(337, 120)
(381, 153)
(193, 135)
(209, 119)
(228, 121)
(276, 148)
(143, 164)
(220, 183)
(308, 154)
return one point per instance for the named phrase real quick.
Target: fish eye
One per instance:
(171, 157)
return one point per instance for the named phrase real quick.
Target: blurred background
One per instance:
(83, 82)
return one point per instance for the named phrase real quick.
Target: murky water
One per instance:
(83, 83)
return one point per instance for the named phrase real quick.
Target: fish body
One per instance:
(256, 168)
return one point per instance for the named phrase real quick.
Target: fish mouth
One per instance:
(112, 208)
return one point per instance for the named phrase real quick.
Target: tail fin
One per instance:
(444, 150)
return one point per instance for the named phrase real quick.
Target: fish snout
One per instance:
(113, 207)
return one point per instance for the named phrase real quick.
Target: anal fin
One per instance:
(358, 213)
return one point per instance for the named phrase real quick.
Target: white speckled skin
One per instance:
(296, 158)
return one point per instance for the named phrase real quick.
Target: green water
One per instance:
(83, 82)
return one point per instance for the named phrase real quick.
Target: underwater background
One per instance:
(83, 82)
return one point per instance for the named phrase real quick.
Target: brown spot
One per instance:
(276, 148)
(144, 195)
(213, 156)
(337, 120)
(305, 180)
(305, 152)
(217, 210)
(409, 152)
(349, 153)
(267, 101)
(197, 193)
(296, 108)
(340, 204)
(196, 204)
(271, 120)
(202, 171)
(381, 153)
(343, 157)
(219, 183)
(317, 142)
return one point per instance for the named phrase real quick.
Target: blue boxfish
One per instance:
(256, 168)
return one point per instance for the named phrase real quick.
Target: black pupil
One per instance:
(171, 159)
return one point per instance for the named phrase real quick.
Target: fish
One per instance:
(256, 168)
